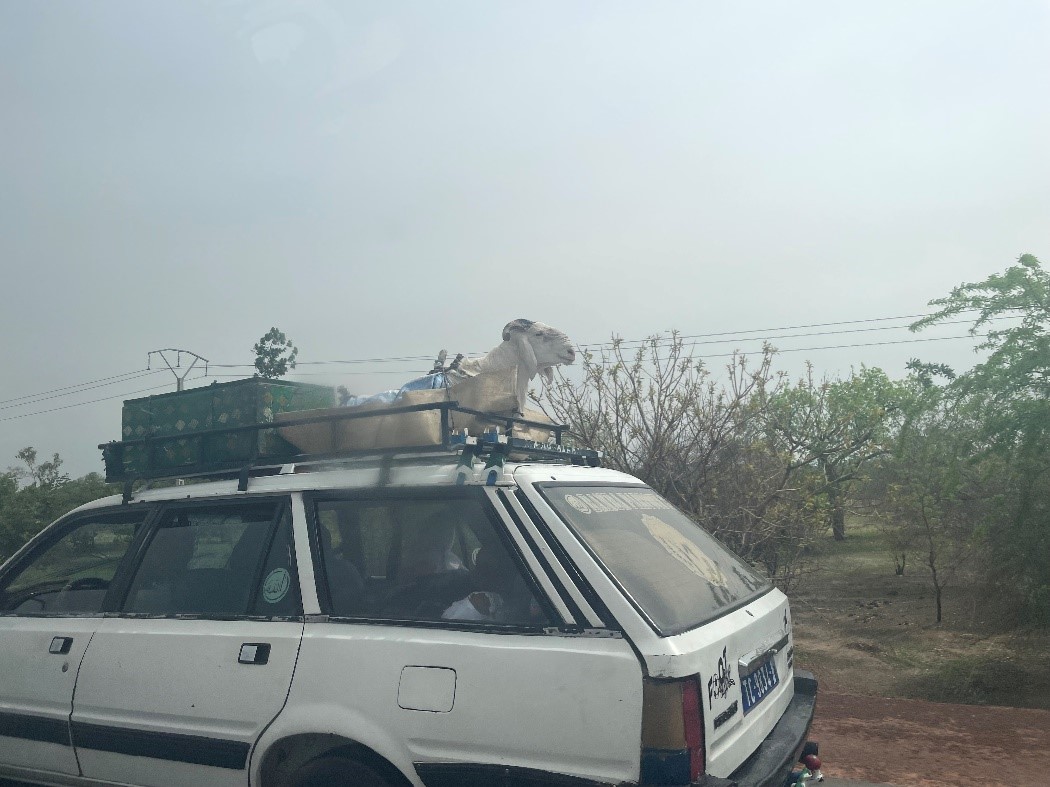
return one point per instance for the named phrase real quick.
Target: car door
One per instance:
(51, 602)
(179, 685)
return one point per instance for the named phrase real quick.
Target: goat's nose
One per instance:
(572, 355)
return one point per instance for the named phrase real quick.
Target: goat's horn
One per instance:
(515, 326)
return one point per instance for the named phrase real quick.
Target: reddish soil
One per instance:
(911, 743)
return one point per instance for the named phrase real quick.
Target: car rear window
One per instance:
(676, 573)
(423, 559)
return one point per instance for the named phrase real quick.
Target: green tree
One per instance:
(933, 502)
(274, 355)
(32, 495)
(837, 427)
(657, 413)
(1012, 389)
(46, 475)
(1014, 381)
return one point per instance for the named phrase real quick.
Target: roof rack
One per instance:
(257, 449)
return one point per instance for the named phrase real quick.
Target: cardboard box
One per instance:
(492, 392)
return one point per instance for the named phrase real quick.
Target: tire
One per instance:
(336, 772)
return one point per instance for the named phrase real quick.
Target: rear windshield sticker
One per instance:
(685, 551)
(276, 585)
(610, 502)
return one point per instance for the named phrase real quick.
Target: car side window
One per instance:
(422, 560)
(203, 560)
(278, 588)
(72, 574)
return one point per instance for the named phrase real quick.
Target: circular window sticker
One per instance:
(685, 551)
(275, 586)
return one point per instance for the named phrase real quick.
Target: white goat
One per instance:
(530, 347)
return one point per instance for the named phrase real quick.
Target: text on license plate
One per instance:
(757, 685)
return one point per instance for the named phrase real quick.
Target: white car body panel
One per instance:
(762, 622)
(181, 677)
(34, 682)
(520, 700)
(515, 699)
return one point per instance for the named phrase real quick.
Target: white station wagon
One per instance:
(380, 622)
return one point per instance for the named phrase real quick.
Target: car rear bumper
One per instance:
(772, 762)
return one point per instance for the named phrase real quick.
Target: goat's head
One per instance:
(540, 346)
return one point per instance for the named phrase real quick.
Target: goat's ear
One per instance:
(523, 347)
(547, 373)
(516, 326)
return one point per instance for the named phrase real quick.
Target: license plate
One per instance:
(756, 686)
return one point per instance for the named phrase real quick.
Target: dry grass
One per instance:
(864, 630)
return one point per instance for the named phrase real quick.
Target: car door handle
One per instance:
(254, 653)
(60, 645)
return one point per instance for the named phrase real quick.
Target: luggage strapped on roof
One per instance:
(497, 440)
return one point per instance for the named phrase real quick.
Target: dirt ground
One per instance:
(865, 630)
(911, 743)
(907, 702)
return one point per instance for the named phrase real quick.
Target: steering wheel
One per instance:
(63, 599)
(86, 583)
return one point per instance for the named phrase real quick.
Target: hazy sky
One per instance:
(384, 179)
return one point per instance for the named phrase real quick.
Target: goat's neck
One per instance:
(502, 356)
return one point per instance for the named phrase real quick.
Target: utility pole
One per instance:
(179, 379)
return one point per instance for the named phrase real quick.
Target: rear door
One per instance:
(51, 602)
(690, 606)
(179, 686)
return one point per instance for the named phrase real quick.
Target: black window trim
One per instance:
(578, 617)
(573, 570)
(541, 486)
(282, 503)
(59, 529)
(464, 492)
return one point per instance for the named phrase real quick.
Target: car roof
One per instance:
(362, 475)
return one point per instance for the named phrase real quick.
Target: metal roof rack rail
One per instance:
(225, 453)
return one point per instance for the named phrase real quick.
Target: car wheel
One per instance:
(336, 772)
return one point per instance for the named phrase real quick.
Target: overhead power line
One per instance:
(714, 355)
(102, 381)
(374, 373)
(39, 399)
(739, 335)
(778, 351)
(844, 346)
(406, 359)
(670, 339)
(81, 404)
(796, 327)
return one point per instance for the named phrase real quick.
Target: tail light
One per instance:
(694, 728)
(672, 732)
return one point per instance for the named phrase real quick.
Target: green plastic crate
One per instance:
(182, 427)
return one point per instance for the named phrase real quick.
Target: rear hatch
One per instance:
(699, 616)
